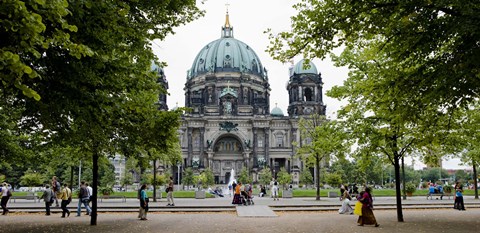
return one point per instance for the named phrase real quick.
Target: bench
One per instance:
(33, 197)
(122, 198)
(431, 195)
(332, 194)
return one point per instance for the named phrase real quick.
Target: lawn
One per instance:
(296, 193)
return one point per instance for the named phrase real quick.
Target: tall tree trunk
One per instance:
(317, 176)
(397, 186)
(403, 179)
(93, 214)
(154, 180)
(475, 182)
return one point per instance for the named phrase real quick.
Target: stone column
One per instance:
(267, 143)
(190, 149)
(202, 150)
(255, 145)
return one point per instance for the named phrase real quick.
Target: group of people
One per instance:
(64, 194)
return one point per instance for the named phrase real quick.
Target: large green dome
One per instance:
(226, 54)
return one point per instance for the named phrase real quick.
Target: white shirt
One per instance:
(4, 191)
(90, 191)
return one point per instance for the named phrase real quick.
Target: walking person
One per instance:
(48, 197)
(275, 190)
(237, 198)
(345, 198)
(170, 193)
(83, 198)
(90, 193)
(57, 189)
(143, 202)
(367, 217)
(459, 204)
(6, 194)
(66, 197)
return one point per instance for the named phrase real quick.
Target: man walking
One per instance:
(83, 199)
(65, 196)
(48, 196)
(170, 193)
(5, 193)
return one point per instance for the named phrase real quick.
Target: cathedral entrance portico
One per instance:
(227, 153)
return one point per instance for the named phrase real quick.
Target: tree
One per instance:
(283, 177)
(92, 97)
(209, 177)
(438, 42)
(306, 177)
(31, 179)
(321, 139)
(127, 180)
(244, 176)
(333, 179)
(187, 177)
(265, 176)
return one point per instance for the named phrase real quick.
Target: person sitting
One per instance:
(263, 191)
(440, 190)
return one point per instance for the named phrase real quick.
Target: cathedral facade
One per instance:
(230, 125)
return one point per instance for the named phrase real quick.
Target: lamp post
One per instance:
(178, 175)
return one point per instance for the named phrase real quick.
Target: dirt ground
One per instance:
(428, 221)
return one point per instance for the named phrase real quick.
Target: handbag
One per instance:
(358, 208)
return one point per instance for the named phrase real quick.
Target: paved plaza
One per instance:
(416, 220)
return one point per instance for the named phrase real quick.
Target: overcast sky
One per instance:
(249, 20)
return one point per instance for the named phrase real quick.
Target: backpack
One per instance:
(139, 194)
(9, 193)
(52, 197)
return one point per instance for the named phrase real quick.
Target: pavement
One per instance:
(432, 216)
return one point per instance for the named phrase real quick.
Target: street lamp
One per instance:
(178, 175)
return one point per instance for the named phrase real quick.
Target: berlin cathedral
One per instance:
(230, 125)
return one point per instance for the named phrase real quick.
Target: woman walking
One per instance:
(237, 199)
(367, 217)
(143, 202)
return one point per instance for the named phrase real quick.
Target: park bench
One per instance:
(332, 194)
(122, 198)
(30, 196)
(431, 195)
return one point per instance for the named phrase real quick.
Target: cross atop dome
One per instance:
(227, 29)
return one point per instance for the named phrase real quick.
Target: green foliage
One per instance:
(265, 176)
(201, 180)
(105, 190)
(431, 47)
(283, 177)
(410, 187)
(323, 140)
(306, 177)
(333, 179)
(161, 179)
(209, 177)
(188, 177)
(127, 180)
(433, 174)
(31, 179)
(244, 176)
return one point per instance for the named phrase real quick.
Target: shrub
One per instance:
(410, 187)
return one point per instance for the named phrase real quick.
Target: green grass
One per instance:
(296, 193)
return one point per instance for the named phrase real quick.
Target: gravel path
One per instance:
(428, 221)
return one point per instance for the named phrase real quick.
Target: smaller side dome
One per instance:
(276, 112)
(299, 69)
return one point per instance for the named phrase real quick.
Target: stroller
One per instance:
(247, 196)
